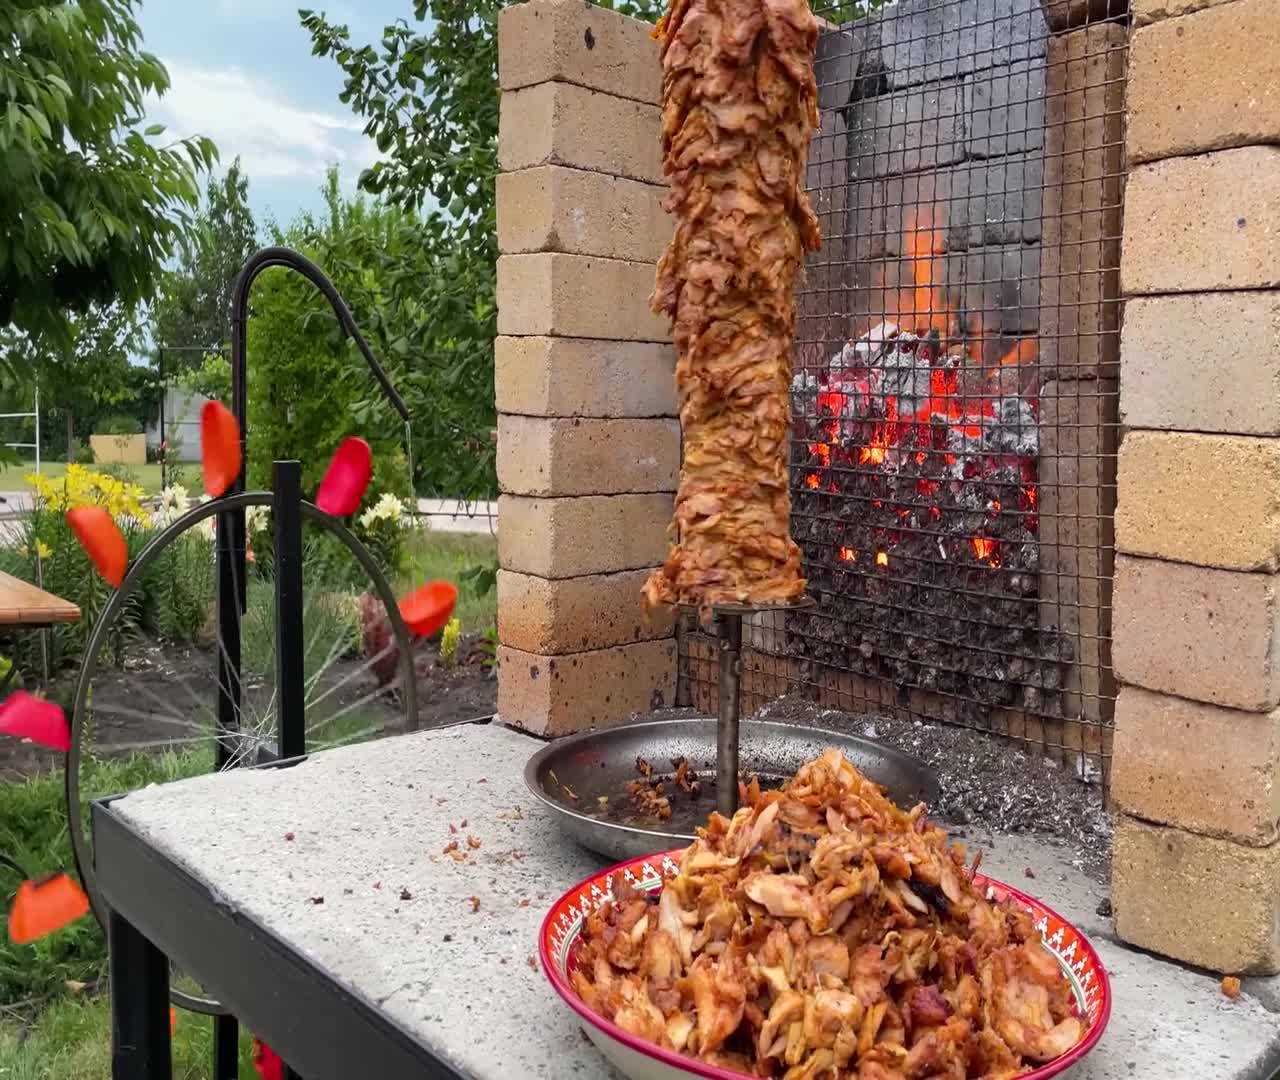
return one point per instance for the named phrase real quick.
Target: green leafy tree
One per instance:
(90, 372)
(89, 207)
(429, 99)
(193, 308)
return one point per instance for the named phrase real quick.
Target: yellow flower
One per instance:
(84, 487)
(43, 550)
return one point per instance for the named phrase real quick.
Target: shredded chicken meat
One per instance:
(825, 934)
(739, 108)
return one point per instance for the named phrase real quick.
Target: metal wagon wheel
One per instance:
(120, 744)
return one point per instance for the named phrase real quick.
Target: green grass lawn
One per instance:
(14, 478)
(71, 1040)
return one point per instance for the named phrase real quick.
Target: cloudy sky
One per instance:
(242, 73)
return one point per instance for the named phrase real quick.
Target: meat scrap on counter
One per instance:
(825, 934)
(739, 105)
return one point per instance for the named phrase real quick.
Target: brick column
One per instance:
(588, 446)
(1197, 588)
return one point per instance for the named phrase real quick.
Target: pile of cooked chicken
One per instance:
(739, 104)
(825, 934)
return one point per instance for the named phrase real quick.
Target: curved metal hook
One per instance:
(11, 864)
(283, 256)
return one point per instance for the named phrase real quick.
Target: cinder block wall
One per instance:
(1197, 591)
(588, 443)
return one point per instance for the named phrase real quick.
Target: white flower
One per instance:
(255, 519)
(388, 507)
(174, 499)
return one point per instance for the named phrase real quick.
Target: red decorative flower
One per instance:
(346, 479)
(27, 717)
(219, 448)
(41, 907)
(266, 1061)
(102, 541)
(427, 609)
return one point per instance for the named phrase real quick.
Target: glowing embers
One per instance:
(917, 447)
(986, 549)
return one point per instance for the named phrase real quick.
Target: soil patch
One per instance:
(134, 705)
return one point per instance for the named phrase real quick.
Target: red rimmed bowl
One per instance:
(642, 1060)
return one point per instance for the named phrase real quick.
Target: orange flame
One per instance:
(848, 554)
(811, 481)
(882, 558)
(1025, 351)
(923, 306)
(985, 548)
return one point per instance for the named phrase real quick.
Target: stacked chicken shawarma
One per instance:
(739, 107)
(825, 934)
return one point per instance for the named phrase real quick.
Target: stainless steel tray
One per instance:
(603, 763)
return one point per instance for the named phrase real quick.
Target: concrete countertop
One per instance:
(365, 828)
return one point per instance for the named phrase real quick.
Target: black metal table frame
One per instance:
(160, 912)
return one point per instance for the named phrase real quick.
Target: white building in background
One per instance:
(181, 413)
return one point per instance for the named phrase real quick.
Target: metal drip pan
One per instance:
(572, 775)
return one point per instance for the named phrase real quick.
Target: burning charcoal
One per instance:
(914, 486)
(1013, 430)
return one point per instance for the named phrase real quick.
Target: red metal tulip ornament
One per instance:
(219, 448)
(25, 716)
(347, 478)
(102, 541)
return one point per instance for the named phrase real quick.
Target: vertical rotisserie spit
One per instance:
(739, 107)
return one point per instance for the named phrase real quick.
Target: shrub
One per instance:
(120, 472)
(118, 424)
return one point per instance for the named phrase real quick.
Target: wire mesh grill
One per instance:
(955, 394)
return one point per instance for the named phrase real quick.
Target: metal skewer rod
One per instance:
(727, 721)
(728, 617)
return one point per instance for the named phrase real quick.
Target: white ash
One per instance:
(868, 347)
(1013, 430)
